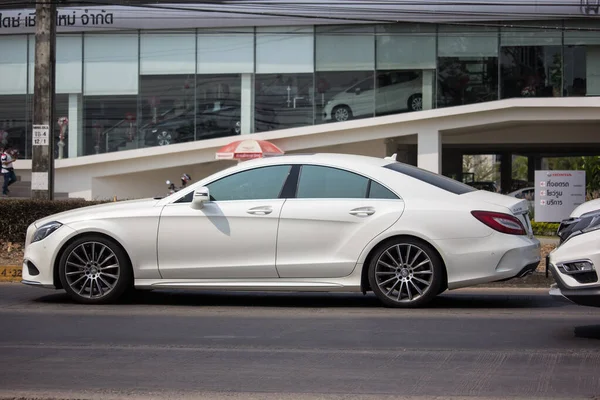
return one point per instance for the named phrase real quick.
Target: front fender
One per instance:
(138, 239)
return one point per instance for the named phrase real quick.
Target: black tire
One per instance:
(415, 102)
(403, 276)
(99, 272)
(339, 111)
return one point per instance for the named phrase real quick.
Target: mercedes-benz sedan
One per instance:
(325, 222)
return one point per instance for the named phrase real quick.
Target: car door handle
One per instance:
(260, 210)
(363, 211)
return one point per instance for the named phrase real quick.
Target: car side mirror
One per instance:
(357, 91)
(201, 195)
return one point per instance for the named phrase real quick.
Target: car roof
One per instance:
(342, 160)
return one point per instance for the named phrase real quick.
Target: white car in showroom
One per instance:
(573, 262)
(325, 222)
(398, 90)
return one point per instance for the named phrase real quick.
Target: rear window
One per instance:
(436, 180)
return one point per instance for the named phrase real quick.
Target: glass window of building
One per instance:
(284, 93)
(405, 68)
(166, 100)
(344, 79)
(110, 89)
(467, 65)
(530, 61)
(68, 100)
(13, 91)
(582, 58)
(224, 76)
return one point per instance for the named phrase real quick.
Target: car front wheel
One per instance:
(405, 273)
(164, 138)
(341, 113)
(94, 270)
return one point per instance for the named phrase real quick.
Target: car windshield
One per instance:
(436, 180)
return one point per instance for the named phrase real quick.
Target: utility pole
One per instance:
(42, 163)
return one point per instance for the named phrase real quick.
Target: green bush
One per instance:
(544, 228)
(17, 215)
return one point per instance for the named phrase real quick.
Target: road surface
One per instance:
(475, 343)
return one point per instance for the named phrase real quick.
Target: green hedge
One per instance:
(17, 215)
(544, 228)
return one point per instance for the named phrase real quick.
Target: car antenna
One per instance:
(392, 157)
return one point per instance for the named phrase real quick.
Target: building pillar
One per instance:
(247, 112)
(429, 150)
(427, 89)
(75, 127)
(505, 172)
(533, 163)
(452, 163)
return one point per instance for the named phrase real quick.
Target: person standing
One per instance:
(8, 170)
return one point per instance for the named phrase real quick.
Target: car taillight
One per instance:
(501, 222)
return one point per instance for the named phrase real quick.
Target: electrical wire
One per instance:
(300, 10)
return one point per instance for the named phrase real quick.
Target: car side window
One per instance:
(255, 184)
(318, 182)
(377, 191)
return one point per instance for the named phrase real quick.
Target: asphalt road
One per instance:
(477, 343)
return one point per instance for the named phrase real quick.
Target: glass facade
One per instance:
(136, 89)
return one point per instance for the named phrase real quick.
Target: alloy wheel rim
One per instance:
(164, 138)
(341, 114)
(92, 270)
(404, 272)
(417, 103)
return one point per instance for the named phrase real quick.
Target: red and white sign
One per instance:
(247, 150)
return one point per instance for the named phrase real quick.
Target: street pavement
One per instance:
(475, 343)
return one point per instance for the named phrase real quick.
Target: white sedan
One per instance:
(325, 222)
(574, 262)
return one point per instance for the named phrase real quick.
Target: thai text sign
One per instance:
(557, 194)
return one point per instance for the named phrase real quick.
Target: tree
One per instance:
(520, 167)
(483, 167)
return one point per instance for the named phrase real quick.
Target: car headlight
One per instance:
(572, 227)
(45, 230)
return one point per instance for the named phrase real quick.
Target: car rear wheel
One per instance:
(94, 270)
(415, 102)
(405, 273)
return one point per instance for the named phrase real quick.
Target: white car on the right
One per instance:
(575, 262)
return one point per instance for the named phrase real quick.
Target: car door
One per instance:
(233, 236)
(382, 94)
(333, 216)
(362, 101)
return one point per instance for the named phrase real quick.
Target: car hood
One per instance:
(586, 207)
(97, 211)
(516, 206)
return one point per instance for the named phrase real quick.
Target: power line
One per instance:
(299, 11)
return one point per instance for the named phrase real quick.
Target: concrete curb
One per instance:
(11, 273)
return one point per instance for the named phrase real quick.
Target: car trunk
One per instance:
(517, 207)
